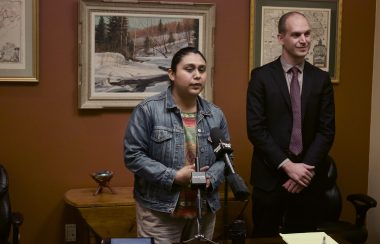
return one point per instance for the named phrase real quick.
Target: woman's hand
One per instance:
(183, 176)
(208, 182)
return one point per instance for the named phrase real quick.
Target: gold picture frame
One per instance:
(325, 18)
(125, 48)
(19, 44)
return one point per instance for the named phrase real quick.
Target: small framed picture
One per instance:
(19, 41)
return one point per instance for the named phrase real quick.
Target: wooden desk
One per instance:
(107, 214)
(113, 215)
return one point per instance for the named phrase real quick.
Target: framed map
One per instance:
(126, 48)
(19, 41)
(324, 17)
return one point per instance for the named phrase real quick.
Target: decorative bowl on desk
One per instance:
(102, 178)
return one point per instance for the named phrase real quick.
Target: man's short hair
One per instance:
(283, 18)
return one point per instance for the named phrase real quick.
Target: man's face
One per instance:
(296, 40)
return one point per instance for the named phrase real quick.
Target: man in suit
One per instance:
(290, 141)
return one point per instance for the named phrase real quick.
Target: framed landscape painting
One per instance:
(125, 49)
(324, 17)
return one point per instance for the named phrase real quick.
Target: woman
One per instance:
(165, 135)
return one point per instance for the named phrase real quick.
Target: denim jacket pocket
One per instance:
(162, 144)
(161, 134)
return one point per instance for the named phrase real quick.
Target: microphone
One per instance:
(198, 178)
(223, 149)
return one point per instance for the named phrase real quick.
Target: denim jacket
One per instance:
(154, 149)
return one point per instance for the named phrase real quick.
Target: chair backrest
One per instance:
(333, 198)
(5, 207)
(347, 231)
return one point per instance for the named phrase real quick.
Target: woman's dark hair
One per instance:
(181, 53)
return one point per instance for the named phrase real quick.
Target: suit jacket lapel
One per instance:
(307, 84)
(280, 79)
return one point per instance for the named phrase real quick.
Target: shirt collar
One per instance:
(286, 67)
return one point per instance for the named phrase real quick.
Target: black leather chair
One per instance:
(351, 232)
(9, 221)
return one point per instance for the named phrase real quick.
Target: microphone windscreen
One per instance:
(216, 136)
(238, 187)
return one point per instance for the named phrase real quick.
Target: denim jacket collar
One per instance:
(203, 108)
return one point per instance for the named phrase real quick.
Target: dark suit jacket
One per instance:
(269, 121)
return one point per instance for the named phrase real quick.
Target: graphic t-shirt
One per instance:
(186, 206)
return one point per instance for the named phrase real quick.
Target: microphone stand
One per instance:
(233, 180)
(199, 237)
(225, 207)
